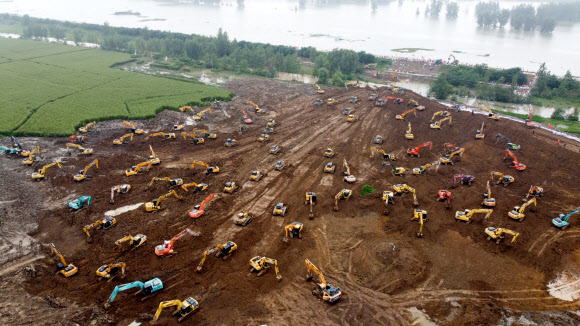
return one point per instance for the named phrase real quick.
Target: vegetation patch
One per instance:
(366, 189)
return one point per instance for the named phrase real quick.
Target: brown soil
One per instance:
(452, 274)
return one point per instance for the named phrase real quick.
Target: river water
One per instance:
(330, 24)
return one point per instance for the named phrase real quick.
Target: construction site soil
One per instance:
(388, 276)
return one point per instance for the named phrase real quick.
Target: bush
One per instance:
(366, 189)
(558, 114)
(573, 116)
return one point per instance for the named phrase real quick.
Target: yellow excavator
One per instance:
(447, 158)
(347, 176)
(121, 140)
(518, 212)
(344, 194)
(479, 133)
(388, 198)
(82, 175)
(82, 150)
(205, 134)
(415, 104)
(186, 108)
(224, 250)
(386, 156)
(135, 169)
(196, 141)
(499, 234)
(491, 114)
(535, 191)
(257, 108)
(264, 138)
(155, 205)
(320, 90)
(170, 135)
(87, 128)
(327, 292)
(294, 229)
(109, 271)
(184, 308)
(199, 187)
(400, 189)
(503, 179)
(104, 224)
(199, 116)
(487, 199)
(65, 269)
(127, 124)
(422, 218)
(172, 182)
(437, 124)
(31, 157)
(133, 241)
(408, 134)
(120, 189)
(37, 176)
(263, 264)
(443, 114)
(209, 169)
(402, 116)
(153, 159)
(468, 213)
(310, 199)
(422, 169)
(399, 171)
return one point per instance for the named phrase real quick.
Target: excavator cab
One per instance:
(295, 232)
(418, 214)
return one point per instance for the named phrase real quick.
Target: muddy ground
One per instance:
(388, 276)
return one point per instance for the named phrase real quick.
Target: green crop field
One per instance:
(52, 89)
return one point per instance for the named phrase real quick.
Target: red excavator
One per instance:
(198, 209)
(515, 164)
(77, 139)
(415, 151)
(529, 123)
(246, 119)
(167, 247)
(445, 196)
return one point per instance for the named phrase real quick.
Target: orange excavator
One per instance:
(167, 247)
(529, 123)
(402, 116)
(246, 119)
(415, 151)
(515, 164)
(198, 209)
(257, 108)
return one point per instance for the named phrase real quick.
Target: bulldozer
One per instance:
(275, 149)
(104, 224)
(223, 250)
(444, 196)
(40, 175)
(172, 182)
(243, 218)
(503, 179)
(155, 205)
(468, 213)
(514, 164)
(149, 289)
(352, 118)
(490, 114)
(329, 153)
(230, 187)
(408, 134)
(378, 139)
(443, 114)
(199, 210)
(256, 108)
(437, 124)
(199, 187)
(398, 171)
(422, 169)
(121, 140)
(479, 133)
(372, 97)
(165, 136)
(331, 101)
(82, 175)
(465, 179)
(344, 194)
(416, 151)
(230, 142)
(195, 140)
(271, 123)
(402, 116)
(347, 176)
(518, 212)
(294, 230)
(154, 160)
(65, 269)
(264, 138)
(132, 128)
(400, 189)
(310, 199)
(135, 169)
(256, 175)
(280, 165)
(209, 169)
(327, 292)
(120, 189)
(184, 308)
(379, 102)
(133, 241)
(562, 220)
(280, 209)
(269, 130)
(87, 128)
(263, 264)
(319, 90)
(167, 247)
(318, 102)
(329, 168)
(81, 150)
(487, 199)
(499, 234)
(386, 156)
(354, 99)
(510, 145)
(109, 271)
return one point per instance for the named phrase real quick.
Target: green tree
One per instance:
(503, 17)
(452, 10)
(323, 75)
(441, 87)
(222, 43)
(193, 49)
(547, 25)
(338, 78)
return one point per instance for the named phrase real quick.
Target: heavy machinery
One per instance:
(310, 199)
(399, 100)
(223, 250)
(510, 145)
(400, 189)
(354, 99)
(455, 62)
(562, 220)
(344, 194)
(121, 140)
(331, 101)
(120, 189)
(378, 139)
(416, 151)
(106, 223)
(199, 116)
(490, 114)
(347, 111)
(269, 130)
(167, 247)
(327, 292)
(263, 264)
(31, 157)
(479, 133)
(206, 134)
(372, 97)
(351, 83)
(422, 169)
(535, 191)
(402, 116)
(437, 124)
(379, 102)
(148, 289)
(388, 198)
(77, 139)
(152, 158)
(468, 213)
(37, 176)
(184, 308)
(329, 168)
(230, 187)
(155, 205)
(170, 135)
(230, 142)
(503, 179)
(329, 153)
(392, 98)
(347, 176)
(198, 210)
(256, 175)
(518, 212)
(515, 164)
(257, 108)
(465, 179)
(280, 165)
(487, 199)
(280, 209)
(415, 104)
(320, 90)
(65, 269)
(82, 175)
(172, 182)
(420, 215)
(82, 150)
(386, 156)
(444, 196)
(275, 149)
(264, 138)
(528, 123)
(271, 123)
(443, 114)
(294, 229)
(109, 271)
(132, 128)
(135, 168)
(81, 202)
(87, 128)
(186, 108)
(408, 134)
(243, 218)
(499, 234)
(132, 241)
(352, 118)
(394, 170)
(448, 158)
(246, 118)
(318, 102)
(199, 187)
(209, 170)
(195, 140)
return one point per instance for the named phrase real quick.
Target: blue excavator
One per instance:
(149, 289)
(562, 220)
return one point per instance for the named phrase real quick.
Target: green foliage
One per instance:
(440, 87)
(338, 79)
(323, 75)
(573, 116)
(383, 63)
(487, 13)
(452, 10)
(558, 114)
(366, 189)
